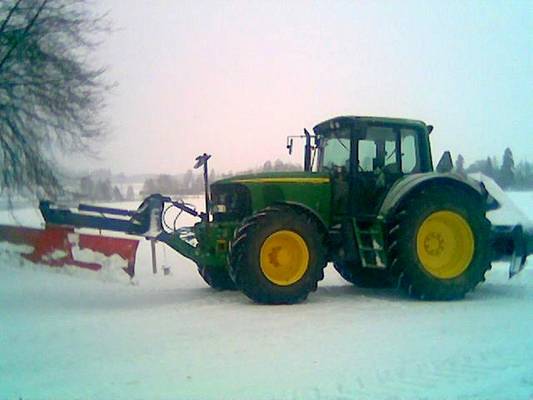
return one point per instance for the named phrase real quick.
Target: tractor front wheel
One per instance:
(278, 256)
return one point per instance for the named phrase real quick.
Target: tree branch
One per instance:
(28, 27)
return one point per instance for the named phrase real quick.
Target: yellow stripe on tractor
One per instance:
(285, 180)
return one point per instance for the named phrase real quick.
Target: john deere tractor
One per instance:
(372, 205)
(368, 200)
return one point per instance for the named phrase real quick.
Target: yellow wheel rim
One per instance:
(284, 257)
(445, 244)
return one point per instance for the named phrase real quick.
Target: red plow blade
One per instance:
(60, 247)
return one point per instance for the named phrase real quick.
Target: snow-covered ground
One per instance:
(172, 337)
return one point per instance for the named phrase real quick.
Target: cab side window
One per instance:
(367, 155)
(410, 162)
(378, 151)
(391, 164)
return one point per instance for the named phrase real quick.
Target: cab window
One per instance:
(367, 155)
(410, 162)
(391, 161)
(378, 151)
(336, 153)
(335, 150)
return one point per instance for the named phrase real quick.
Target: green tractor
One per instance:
(372, 205)
(368, 200)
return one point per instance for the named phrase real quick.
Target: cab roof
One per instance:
(352, 121)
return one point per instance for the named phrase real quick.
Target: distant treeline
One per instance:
(508, 175)
(98, 187)
(193, 183)
(102, 190)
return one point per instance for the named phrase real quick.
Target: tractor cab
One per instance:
(365, 156)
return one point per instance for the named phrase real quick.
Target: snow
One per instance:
(172, 337)
(15, 248)
(508, 213)
(110, 264)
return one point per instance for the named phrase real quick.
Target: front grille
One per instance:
(236, 199)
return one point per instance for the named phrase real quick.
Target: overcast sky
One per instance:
(233, 78)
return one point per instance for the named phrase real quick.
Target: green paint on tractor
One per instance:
(310, 190)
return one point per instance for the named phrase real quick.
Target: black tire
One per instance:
(245, 263)
(216, 277)
(353, 272)
(404, 258)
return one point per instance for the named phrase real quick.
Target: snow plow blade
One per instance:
(512, 231)
(63, 247)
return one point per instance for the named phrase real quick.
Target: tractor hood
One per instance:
(292, 177)
(254, 192)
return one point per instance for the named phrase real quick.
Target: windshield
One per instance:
(335, 150)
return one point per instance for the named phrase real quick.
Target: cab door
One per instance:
(376, 166)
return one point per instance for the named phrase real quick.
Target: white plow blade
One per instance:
(508, 213)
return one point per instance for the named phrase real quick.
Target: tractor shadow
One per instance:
(497, 286)
(194, 298)
(488, 291)
(115, 296)
(504, 290)
(332, 293)
(178, 300)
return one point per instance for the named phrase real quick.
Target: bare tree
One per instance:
(51, 96)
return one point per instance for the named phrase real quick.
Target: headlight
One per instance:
(229, 202)
(218, 208)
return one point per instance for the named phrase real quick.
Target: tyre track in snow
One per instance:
(479, 375)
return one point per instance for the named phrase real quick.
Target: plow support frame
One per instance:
(512, 243)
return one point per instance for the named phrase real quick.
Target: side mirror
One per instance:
(445, 163)
(289, 145)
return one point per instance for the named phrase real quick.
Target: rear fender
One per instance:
(411, 184)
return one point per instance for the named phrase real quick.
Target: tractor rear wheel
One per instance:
(354, 272)
(216, 277)
(438, 246)
(278, 256)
